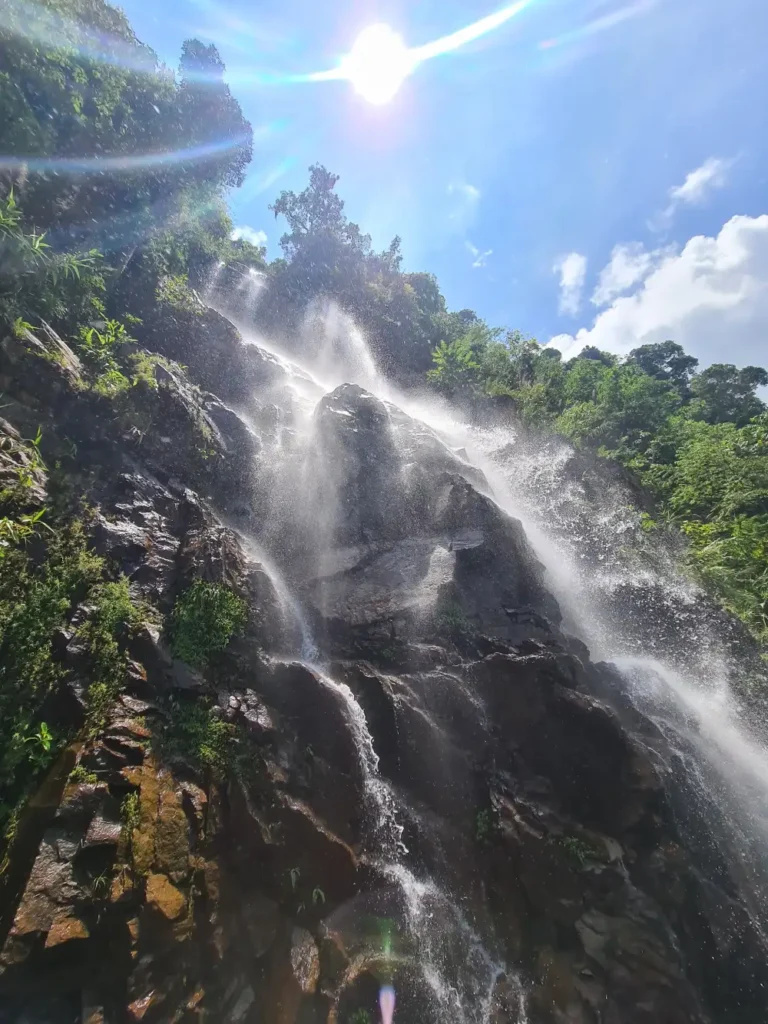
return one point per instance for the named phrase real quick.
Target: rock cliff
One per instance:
(397, 768)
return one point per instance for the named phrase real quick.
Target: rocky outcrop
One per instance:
(453, 803)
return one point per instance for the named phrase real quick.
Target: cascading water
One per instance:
(593, 552)
(459, 975)
(292, 611)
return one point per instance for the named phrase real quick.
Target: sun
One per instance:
(378, 63)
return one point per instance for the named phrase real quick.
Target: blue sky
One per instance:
(593, 170)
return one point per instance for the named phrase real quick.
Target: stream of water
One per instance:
(584, 545)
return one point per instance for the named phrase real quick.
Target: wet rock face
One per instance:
(409, 531)
(231, 847)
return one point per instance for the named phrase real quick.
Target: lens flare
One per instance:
(387, 1004)
(592, 28)
(378, 63)
(470, 33)
(125, 164)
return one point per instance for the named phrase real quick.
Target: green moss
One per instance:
(204, 620)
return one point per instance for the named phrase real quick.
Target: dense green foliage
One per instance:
(37, 598)
(697, 440)
(114, 169)
(164, 138)
(113, 616)
(204, 620)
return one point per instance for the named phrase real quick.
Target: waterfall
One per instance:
(595, 556)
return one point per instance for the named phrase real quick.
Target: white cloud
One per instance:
(711, 297)
(629, 264)
(480, 259)
(463, 202)
(469, 194)
(711, 175)
(572, 269)
(696, 189)
(249, 235)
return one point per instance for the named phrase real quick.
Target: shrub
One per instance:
(59, 286)
(196, 734)
(34, 601)
(174, 290)
(577, 850)
(204, 620)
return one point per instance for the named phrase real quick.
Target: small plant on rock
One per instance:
(204, 620)
(485, 826)
(451, 621)
(577, 850)
(129, 812)
(359, 1016)
(175, 290)
(196, 734)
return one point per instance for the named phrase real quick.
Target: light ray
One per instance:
(132, 163)
(468, 34)
(599, 24)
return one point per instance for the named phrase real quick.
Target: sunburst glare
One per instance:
(379, 61)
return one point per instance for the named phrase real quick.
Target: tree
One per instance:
(211, 119)
(666, 361)
(112, 150)
(724, 394)
(590, 352)
(327, 256)
(624, 412)
(456, 368)
(315, 212)
(582, 379)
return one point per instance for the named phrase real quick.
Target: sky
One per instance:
(588, 171)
